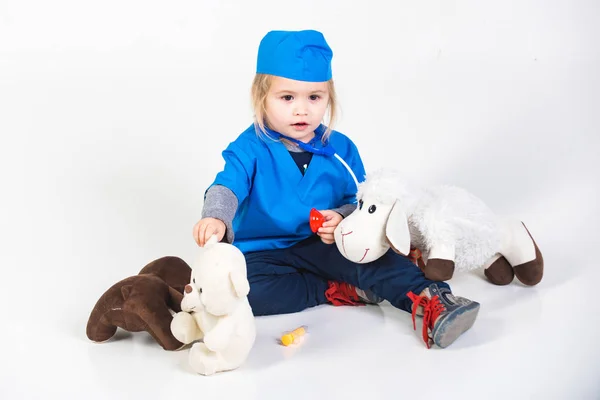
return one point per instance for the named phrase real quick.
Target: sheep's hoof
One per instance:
(438, 269)
(500, 272)
(531, 273)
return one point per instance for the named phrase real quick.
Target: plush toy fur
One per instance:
(215, 309)
(142, 303)
(452, 228)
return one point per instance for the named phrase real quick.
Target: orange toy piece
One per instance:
(292, 337)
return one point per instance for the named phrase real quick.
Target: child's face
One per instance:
(296, 108)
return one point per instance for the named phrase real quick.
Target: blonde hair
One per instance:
(260, 90)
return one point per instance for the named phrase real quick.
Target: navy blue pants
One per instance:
(293, 279)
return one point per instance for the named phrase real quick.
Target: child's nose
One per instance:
(300, 109)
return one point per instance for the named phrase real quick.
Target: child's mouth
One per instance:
(300, 126)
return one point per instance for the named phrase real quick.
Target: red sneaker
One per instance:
(341, 293)
(445, 317)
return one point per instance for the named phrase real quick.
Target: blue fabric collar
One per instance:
(315, 146)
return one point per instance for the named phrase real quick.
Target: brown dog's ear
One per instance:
(396, 230)
(174, 300)
(125, 291)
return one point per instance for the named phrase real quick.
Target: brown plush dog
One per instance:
(142, 302)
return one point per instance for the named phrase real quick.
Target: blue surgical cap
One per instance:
(298, 55)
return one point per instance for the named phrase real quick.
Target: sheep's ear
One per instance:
(396, 230)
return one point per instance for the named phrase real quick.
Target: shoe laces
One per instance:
(432, 308)
(341, 293)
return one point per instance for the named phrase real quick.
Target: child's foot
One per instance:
(445, 317)
(341, 293)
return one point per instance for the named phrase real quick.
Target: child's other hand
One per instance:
(332, 219)
(207, 227)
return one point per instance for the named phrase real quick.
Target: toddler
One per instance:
(283, 165)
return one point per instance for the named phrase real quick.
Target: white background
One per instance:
(113, 116)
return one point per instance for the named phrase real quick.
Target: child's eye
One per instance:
(287, 97)
(315, 97)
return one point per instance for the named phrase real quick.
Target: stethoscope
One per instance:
(327, 150)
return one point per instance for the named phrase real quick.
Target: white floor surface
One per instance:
(528, 343)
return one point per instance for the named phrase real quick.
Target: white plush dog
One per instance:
(215, 308)
(451, 227)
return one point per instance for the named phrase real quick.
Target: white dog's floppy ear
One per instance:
(212, 240)
(397, 231)
(240, 283)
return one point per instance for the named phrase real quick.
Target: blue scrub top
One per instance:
(274, 198)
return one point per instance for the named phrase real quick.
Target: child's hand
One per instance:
(207, 227)
(332, 219)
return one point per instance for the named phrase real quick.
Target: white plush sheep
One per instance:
(451, 227)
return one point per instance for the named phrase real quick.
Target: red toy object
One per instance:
(316, 220)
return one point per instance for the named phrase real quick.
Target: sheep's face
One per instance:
(367, 233)
(361, 237)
